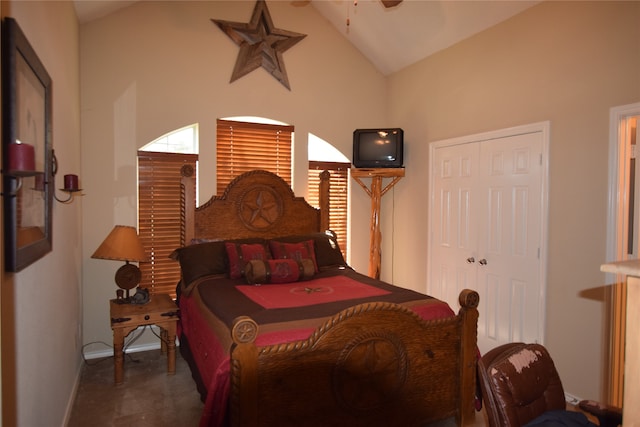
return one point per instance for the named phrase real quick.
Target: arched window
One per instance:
(183, 140)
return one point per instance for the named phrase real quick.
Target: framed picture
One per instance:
(26, 119)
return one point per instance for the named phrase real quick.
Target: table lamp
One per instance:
(123, 244)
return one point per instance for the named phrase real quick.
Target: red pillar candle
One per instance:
(71, 182)
(22, 157)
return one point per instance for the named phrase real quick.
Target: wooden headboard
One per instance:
(254, 204)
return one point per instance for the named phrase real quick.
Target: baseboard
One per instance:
(151, 343)
(131, 349)
(72, 397)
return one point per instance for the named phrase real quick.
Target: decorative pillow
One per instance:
(240, 254)
(327, 251)
(278, 271)
(297, 251)
(201, 260)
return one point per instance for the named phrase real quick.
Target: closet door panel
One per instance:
(509, 239)
(454, 234)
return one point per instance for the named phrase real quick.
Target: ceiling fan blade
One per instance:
(391, 3)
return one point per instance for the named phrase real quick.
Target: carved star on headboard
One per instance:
(261, 44)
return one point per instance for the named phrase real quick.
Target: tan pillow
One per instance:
(278, 270)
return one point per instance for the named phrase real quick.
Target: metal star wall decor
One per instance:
(261, 44)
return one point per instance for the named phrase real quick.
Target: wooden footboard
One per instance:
(372, 364)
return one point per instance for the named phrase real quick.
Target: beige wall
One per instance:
(566, 62)
(41, 310)
(158, 66)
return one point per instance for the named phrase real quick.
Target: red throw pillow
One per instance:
(297, 251)
(278, 271)
(240, 254)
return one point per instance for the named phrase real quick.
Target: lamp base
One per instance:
(128, 277)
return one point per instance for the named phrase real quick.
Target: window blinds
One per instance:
(159, 217)
(338, 196)
(242, 147)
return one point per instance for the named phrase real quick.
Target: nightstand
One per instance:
(160, 311)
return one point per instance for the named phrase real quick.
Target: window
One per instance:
(242, 147)
(245, 146)
(338, 196)
(184, 140)
(158, 217)
(159, 205)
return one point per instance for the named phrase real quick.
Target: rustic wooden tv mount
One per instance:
(376, 191)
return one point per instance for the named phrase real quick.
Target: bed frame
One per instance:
(372, 364)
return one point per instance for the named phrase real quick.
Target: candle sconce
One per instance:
(70, 182)
(27, 170)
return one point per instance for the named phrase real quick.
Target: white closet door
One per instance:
(454, 236)
(486, 232)
(510, 234)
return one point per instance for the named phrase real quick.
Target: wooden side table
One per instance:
(160, 311)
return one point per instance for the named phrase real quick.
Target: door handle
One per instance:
(482, 262)
(471, 260)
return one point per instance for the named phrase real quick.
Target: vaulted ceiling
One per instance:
(391, 38)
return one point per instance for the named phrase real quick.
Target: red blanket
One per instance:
(208, 312)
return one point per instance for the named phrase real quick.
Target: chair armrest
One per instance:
(608, 415)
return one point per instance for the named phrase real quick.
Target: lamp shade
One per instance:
(122, 244)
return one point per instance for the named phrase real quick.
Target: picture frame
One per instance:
(26, 117)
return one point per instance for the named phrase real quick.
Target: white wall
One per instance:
(566, 62)
(41, 304)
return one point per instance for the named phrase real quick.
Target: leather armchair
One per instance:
(520, 383)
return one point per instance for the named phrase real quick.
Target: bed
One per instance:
(279, 331)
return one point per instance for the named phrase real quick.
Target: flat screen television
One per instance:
(378, 148)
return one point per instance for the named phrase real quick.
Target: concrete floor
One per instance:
(148, 397)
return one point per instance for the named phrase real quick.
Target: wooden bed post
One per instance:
(188, 205)
(324, 200)
(244, 401)
(469, 301)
